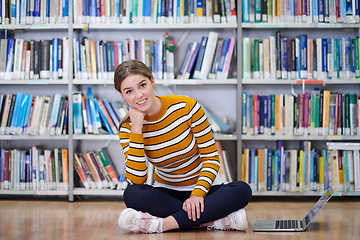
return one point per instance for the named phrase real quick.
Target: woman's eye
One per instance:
(143, 85)
(128, 92)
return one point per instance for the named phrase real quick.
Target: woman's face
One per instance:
(138, 91)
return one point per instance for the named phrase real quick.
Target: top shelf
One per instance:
(155, 26)
(64, 26)
(300, 25)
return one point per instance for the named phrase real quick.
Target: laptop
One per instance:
(296, 225)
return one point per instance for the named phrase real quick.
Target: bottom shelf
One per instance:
(313, 193)
(34, 192)
(98, 192)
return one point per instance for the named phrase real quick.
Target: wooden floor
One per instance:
(97, 220)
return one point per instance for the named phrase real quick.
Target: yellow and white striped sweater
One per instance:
(178, 141)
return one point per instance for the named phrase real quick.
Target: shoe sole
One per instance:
(243, 219)
(123, 216)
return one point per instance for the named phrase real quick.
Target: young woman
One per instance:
(172, 133)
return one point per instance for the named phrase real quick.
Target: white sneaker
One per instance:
(234, 221)
(136, 221)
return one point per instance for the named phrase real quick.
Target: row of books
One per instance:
(300, 11)
(35, 12)
(318, 113)
(96, 170)
(155, 11)
(98, 59)
(34, 169)
(301, 170)
(208, 59)
(96, 116)
(302, 57)
(25, 114)
(44, 59)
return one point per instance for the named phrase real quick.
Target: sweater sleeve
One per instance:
(201, 129)
(134, 155)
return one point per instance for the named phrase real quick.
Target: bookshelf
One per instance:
(182, 35)
(228, 92)
(287, 86)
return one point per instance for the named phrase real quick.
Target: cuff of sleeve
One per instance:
(199, 193)
(136, 137)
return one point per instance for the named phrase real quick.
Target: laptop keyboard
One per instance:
(286, 224)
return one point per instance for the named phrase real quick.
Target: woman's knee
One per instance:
(243, 192)
(132, 193)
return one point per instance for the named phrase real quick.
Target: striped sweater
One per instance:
(179, 143)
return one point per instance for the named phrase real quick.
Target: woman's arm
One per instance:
(134, 154)
(201, 129)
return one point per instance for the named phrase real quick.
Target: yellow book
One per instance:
(260, 167)
(278, 114)
(246, 165)
(93, 59)
(326, 112)
(321, 174)
(65, 168)
(301, 180)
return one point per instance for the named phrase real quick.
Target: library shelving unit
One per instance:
(261, 31)
(36, 86)
(220, 96)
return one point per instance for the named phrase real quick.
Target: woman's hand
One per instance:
(136, 118)
(194, 205)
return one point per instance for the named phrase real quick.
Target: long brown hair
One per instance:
(125, 69)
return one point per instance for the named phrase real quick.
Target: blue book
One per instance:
(258, 12)
(92, 11)
(94, 111)
(78, 59)
(116, 110)
(252, 168)
(146, 11)
(65, 10)
(221, 62)
(248, 112)
(324, 61)
(27, 114)
(103, 47)
(47, 11)
(330, 60)
(21, 170)
(117, 10)
(312, 170)
(37, 11)
(23, 4)
(103, 119)
(111, 113)
(77, 118)
(182, 70)
(243, 113)
(326, 169)
(9, 59)
(246, 11)
(269, 170)
(321, 11)
(261, 111)
(200, 57)
(255, 170)
(54, 58)
(22, 114)
(193, 58)
(266, 116)
(54, 113)
(303, 56)
(16, 113)
(284, 58)
(276, 168)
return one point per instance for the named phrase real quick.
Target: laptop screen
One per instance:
(319, 205)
